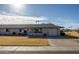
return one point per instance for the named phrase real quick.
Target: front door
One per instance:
(25, 32)
(14, 33)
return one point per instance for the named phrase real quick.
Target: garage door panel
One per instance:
(52, 32)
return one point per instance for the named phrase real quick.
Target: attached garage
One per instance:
(51, 32)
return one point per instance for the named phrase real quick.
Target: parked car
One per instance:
(62, 33)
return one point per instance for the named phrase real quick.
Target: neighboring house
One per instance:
(30, 29)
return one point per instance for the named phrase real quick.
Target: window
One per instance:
(14, 33)
(20, 30)
(7, 30)
(25, 31)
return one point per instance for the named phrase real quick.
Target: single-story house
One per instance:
(30, 29)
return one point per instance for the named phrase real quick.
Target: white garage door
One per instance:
(52, 32)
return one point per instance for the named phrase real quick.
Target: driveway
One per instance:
(63, 42)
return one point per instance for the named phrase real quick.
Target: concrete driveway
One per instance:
(63, 42)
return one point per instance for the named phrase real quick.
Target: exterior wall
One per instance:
(10, 32)
(48, 31)
(45, 31)
(2, 31)
(13, 30)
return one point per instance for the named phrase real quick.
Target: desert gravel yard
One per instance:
(22, 41)
(73, 33)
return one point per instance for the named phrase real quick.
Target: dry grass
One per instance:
(73, 33)
(18, 40)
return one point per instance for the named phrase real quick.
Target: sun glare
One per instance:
(16, 5)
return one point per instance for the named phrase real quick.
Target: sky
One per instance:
(66, 15)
